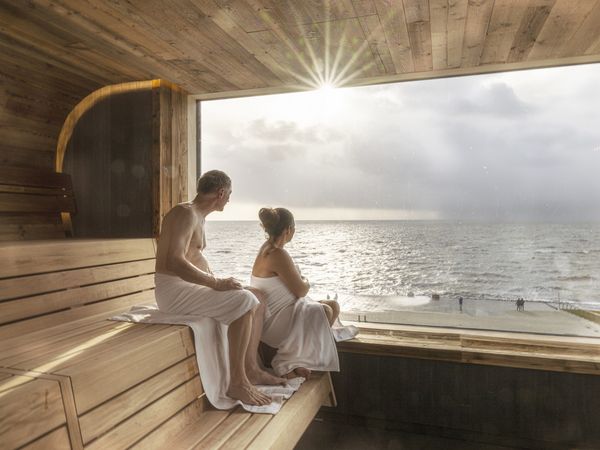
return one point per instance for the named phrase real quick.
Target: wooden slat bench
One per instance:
(69, 378)
(35, 204)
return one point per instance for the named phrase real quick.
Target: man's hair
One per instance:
(212, 181)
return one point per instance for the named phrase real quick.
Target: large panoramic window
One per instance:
(438, 202)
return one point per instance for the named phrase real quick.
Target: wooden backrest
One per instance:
(35, 200)
(46, 283)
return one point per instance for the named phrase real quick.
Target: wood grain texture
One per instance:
(43, 413)
(297, 413)
(14, 310)
(56, 440)
(137, 426)
(215, 46)
(55, 53)
(106, 416)
(27, 258)
(27, 286)
(182, 422)
(558, 354)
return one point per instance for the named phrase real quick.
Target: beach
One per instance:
(491, 315)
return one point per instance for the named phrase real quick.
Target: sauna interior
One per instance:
(100, 137)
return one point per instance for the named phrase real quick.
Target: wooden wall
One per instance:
(500, 405)
(128, 160)
(36, 95)
(170, 150)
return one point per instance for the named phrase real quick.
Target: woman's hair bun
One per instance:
(268, 217)
(275, 220)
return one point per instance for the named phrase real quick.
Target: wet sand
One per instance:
(479, 314)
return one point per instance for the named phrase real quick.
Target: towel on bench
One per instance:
(212, 348)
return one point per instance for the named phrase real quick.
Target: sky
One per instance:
(510, 147)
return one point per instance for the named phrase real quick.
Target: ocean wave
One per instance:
(577, 278)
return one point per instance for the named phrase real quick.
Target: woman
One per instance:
(298, 327)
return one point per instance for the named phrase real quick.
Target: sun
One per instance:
(326, 88)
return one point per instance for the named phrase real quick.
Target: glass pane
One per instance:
(411, 196)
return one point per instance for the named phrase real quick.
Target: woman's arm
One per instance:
(283, 265)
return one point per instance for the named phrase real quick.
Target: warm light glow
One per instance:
(326, 87)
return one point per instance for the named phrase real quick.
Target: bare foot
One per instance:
(302, 372)
(259, 376)
(299, 372)
(249, 395)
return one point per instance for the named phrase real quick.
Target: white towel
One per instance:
(212, 350)
(343, 332)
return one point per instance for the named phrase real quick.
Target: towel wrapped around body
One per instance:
(208, 313)
(298, 328)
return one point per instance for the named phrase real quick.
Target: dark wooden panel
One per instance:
(495, 403)
(109, 157)
(21, 176)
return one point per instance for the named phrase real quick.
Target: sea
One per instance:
(369, 262)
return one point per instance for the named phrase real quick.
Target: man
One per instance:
(186, 285)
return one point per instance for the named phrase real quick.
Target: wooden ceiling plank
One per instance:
(364, 8)
(350, 54)
(505, 22)
(222, 18)
(457, 19)
(243, 14)
(97, 38)
(34, 60)
(376, 38)
(151, 40)
(419, 32)
(438, 13)
(43, 74)
(317, 11)
(282, 53)
(222, 40)
(293, 43)
(41, 40)
(192, 40)
(584, 37)
(562, 24)
(393, 21)
(478, 18)
(533, 21)
(594, 49)
(347, 54)
(125, 21)
(310, 36)
(110, 45)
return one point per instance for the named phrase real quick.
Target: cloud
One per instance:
(515, 146)
(281, 132)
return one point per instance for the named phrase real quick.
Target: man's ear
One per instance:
(221, 193)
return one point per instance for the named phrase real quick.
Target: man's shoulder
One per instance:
(182, 211)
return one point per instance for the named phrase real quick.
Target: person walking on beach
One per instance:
(185, 285)
(460, 303)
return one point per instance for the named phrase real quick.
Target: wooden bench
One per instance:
(35, 204)
(69, 378)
